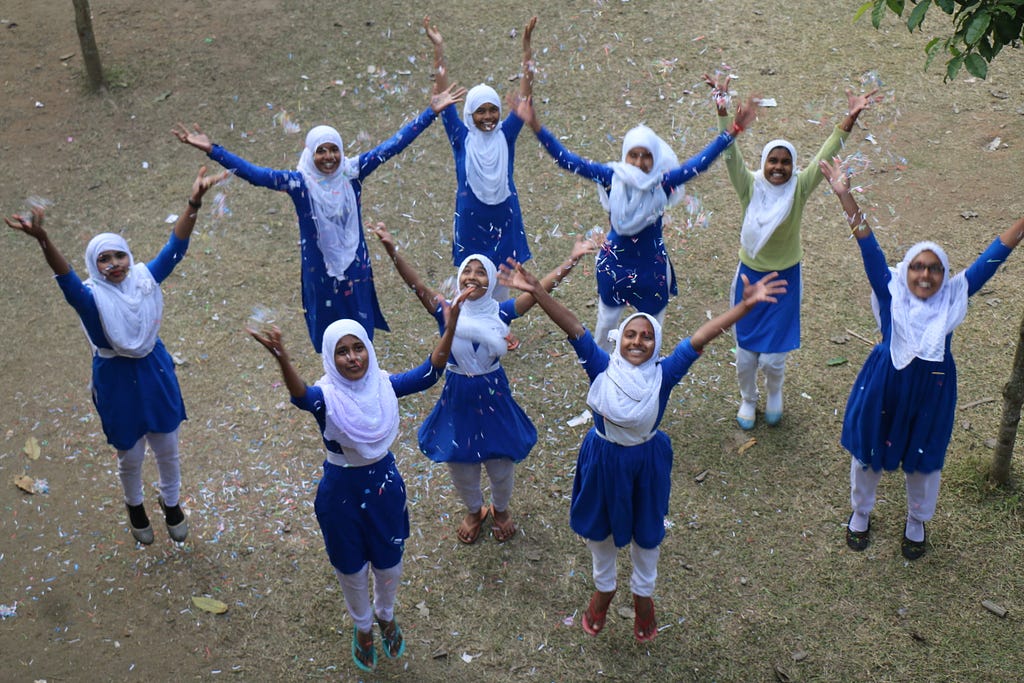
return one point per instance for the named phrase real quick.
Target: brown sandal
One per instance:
(469, 528)
(502, 530)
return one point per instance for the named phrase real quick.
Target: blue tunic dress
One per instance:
(325, 298)
(361, 510)
(133, 396)
(494, 230)
(622, 491)
(635, 270)
(476, 418)
(904, 417)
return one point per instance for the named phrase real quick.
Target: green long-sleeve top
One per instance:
(783, 249)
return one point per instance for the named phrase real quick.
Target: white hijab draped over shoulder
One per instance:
(480, 335)
(627, 396)
(636, 199)
(769, 204)
(130, 311)
(362, 415)
(920, 326)
(333, 200)
(486, 152)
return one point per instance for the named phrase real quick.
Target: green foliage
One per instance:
(981, 28)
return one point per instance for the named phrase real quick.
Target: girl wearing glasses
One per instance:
(900, 410)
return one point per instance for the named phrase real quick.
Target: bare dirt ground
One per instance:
(755, 577)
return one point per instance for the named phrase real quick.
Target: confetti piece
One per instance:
(32, 448)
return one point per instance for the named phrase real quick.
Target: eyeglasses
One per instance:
(932, 268)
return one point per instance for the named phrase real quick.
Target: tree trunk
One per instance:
(90, 53)
(1013, 398)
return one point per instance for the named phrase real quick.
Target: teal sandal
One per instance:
(360, 654)
(392, 638)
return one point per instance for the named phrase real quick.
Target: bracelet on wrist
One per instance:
(194, 204)
(736, 129)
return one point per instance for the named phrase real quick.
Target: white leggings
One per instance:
(466, 478)
(608, 320)
(645, 566)
(129, 468)
(922, 491)
(773, 365)
(356, 589)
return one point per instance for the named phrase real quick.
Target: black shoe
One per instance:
(857, 540)
(138, 520)
(177, 523)
(912, 550)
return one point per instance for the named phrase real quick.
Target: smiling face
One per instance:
(351, 357)
(925, 274)
(474, 277)
(113, 265)
(637, 341)
(486, 117)
(326, 158)
(778, 166)
(640, 157)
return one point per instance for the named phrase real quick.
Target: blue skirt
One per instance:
(622, 491)
(136, 396)
(901, 418)
(770, 328)
(476, 419)
(362, 515)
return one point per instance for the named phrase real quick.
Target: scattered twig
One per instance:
(863, 339)
(979, 402)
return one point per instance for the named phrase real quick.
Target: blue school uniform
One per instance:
(326, 298)
(133, 396)
(904, 418)
(494, 230)
(362, 510)
(476, 418)
(635, 269)
(623, 491)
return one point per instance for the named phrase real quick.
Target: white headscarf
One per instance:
(920, 326)
(362, 415)
(334, 202)
(480, 335)
(769, 204)
(627, 396)
(636, 199)
(130, 311)
(486, 152)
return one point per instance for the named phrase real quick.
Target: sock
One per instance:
(137, 516)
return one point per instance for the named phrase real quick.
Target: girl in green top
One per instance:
(773, 199)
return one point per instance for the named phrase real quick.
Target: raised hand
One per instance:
(512, 274)
(196, 137)
(856, 103)
(836, 175)
(450, 95)
(746, 113)
(719, 92)
(764, 290)
(451, 310)
(385, 237)
(203, 182)
(31, 225)
(270, 339)
(432, 33)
